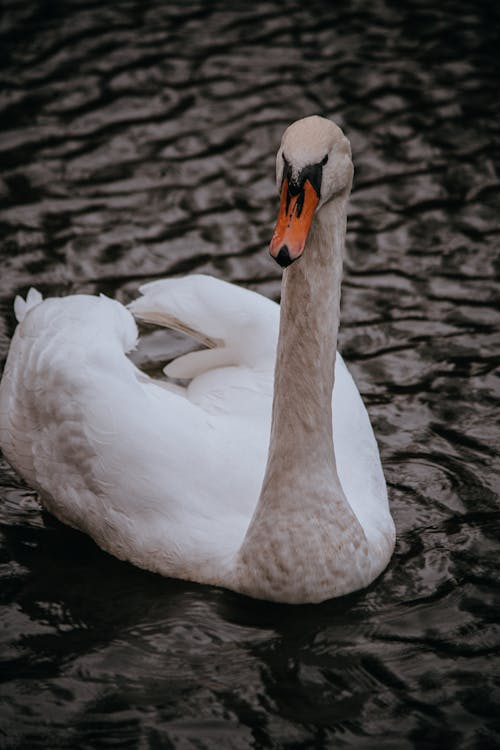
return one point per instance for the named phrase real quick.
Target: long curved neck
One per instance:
(302, 541)
(301, 433)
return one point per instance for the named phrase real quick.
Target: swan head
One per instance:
(313, 166)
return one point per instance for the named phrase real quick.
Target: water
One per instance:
(137, 141)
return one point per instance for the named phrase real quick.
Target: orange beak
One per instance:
(294, 222)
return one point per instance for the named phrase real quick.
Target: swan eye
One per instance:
(324, 160)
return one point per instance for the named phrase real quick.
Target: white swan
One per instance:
(169, 477)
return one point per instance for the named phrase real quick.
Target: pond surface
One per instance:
(137, 141)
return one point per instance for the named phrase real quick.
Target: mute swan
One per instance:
(176, 479)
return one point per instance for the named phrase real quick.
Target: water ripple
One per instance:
(137, 141)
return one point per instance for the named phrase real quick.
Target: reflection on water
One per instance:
(137, 141)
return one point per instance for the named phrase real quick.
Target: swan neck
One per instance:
(304, 542)
(301, 433)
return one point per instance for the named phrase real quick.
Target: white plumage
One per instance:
(169, 477)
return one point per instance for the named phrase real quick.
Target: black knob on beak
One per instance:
(283, 257)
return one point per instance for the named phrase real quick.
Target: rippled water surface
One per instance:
(137, 141)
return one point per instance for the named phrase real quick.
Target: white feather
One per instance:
(21, 306)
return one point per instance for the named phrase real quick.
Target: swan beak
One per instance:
(294, 222)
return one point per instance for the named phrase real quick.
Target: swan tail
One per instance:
(239, 325)
(23, 306)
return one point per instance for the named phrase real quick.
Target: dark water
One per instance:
(137, 141)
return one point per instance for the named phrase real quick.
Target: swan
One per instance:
(240, 479)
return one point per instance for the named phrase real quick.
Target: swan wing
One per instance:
(150, 474)
(238, 326)
(358, 458)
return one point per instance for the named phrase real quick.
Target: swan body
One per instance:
(254, 476)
